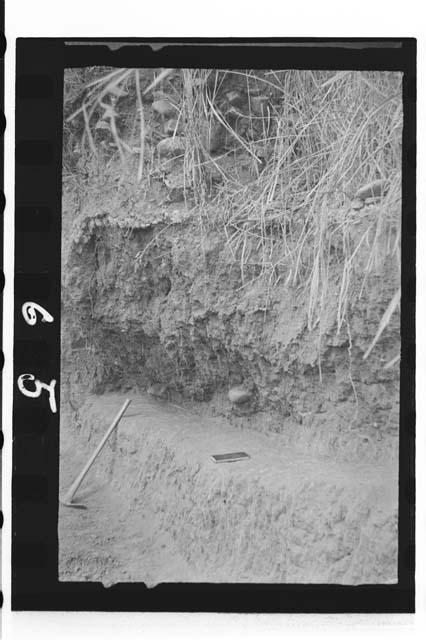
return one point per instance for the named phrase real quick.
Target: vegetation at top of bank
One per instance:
(301, 169)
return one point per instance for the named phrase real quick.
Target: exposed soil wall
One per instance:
(163, 301)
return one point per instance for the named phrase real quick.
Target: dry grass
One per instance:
(319, 139)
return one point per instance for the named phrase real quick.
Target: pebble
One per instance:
(163, 107)
(157, 390)
(374, 189)
(171, 146)
(357, 204)
(239, 394)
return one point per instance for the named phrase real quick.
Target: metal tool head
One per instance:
(67, 502)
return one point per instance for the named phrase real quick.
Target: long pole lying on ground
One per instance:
(67, 498)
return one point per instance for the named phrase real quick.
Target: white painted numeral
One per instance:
(39, 386)
(30, 316)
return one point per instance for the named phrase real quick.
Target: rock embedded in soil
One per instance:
(163, 107)
(172, 146)
(157, 390)
(239, 395)
(374, 189)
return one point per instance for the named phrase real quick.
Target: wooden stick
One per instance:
(67, 499)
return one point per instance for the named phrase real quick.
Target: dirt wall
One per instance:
(159, 298)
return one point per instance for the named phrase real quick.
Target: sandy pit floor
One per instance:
(110, 543)
(160, 510)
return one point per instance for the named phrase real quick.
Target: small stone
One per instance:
(163, 107)
(238, 395)
(157, 390)
(377, 188)
(171, 146)
(357, 204)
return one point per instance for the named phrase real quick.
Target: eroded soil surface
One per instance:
(109, 542)
(160, 510)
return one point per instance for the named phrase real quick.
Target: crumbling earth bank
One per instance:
(157, 299)
(167, 303)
